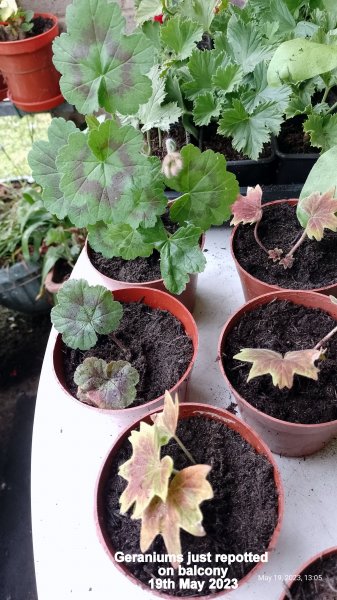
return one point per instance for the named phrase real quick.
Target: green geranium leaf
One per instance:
(208, 189)
(152, 31)
(180, 256)
(100, 65)
(148, 9)
(300, 59)
(322, 130)
(246, 44)
(106, 385)
(323, 175)
(180, 36)
(83, 311)
(200, 11)
(96, 169)
(124, 241)
(201, 67)
(262, 92)
(42, 159)
(154, 113)
(250, 130)
(206, 107)
(228, 77)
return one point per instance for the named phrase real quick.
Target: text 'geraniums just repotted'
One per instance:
(167, 498)
(288, 244)
(278, 356)
(118, 353)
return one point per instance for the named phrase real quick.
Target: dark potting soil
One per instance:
(240, 518)
(284, 327)
(315, 262)
(62, 271)
(317, 582)
(177, 133)
(293, 140)
(152, 340)
(218, 143)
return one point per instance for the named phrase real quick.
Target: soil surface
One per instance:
(152, 340)
(240, 518)
(317, 582)
(214, 141)
(40, 25)
(177, 133)
(315, 262)
(283, 327)
(293, 140)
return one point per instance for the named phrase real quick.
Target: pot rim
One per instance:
(46, 15)
(245, 308)
(217, 413)
(305, 565)
(150, 404)
(273, 286)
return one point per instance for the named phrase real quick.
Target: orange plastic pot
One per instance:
(251, 286)
(203, 411)
(295, 579)
(154, 299)
(187, 297)
(33, 81)
(282, 437)
(3, 88)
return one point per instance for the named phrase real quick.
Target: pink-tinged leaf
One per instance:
(167, 421)
(180, 511)
(275, 254)
(247, 209)
(281, 368)
(318, 212)
(287, 262)
(147, 475)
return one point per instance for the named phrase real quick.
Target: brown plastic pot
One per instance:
(305, 566)
(252, 287)
(154, 299)
(187, 297)
(3, 88)
(32, 79)
(282, 437)
(185, 411)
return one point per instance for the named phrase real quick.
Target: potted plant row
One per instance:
(26, 57)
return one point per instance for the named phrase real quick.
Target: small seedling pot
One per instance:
(187, 297)
(292, 167)
(32, 79)
(155, 299)
(253, 287)
(185, 411)
(282, 437)
(19, 287)
(253, 172)
(296, 577)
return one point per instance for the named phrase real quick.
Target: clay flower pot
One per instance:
(32, 79)
(203, 411)
(251, 286)
(187, 297)
(282, 437)
(308, 568)
(154, 299)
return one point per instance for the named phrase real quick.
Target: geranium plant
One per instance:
(83, 312)
(164, 499)
(15, 22)
(283, 368)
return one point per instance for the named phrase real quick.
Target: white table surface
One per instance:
(70, 442)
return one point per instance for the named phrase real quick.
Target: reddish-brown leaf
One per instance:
(248, 209)
(318, 212)
(167, 421)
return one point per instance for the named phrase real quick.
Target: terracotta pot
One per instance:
(282, 437)
(33, 81)
(155, 299)
(185, 411)
(3, 88)
(187, 297)
(304, 567)
(252, 286)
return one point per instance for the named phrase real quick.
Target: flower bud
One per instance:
(172, 164)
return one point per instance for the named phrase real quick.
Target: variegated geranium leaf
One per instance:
(106, 385)
(167, 420)
(100, 65)
(318, 212)
(42, 161)
(248, 209)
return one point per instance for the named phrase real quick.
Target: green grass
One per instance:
(16, 138)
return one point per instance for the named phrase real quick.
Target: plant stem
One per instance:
(148, 140)
(121, 346)
(326, 338)
(332, 108)
(298, 244)
(184, 449)
(325, 95)
(160, 141)
(257, 239)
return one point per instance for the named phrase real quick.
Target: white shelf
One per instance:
(70, 442)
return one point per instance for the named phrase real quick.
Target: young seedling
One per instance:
(315, 213)
(82, 313)
(283, 368)
(15, 22)
(164, 499)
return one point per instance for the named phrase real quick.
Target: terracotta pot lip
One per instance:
(282, 294)
(130, 410)
(35, 37)
(273, 286)
(221, 414)
(304, 566)
(87, 249)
